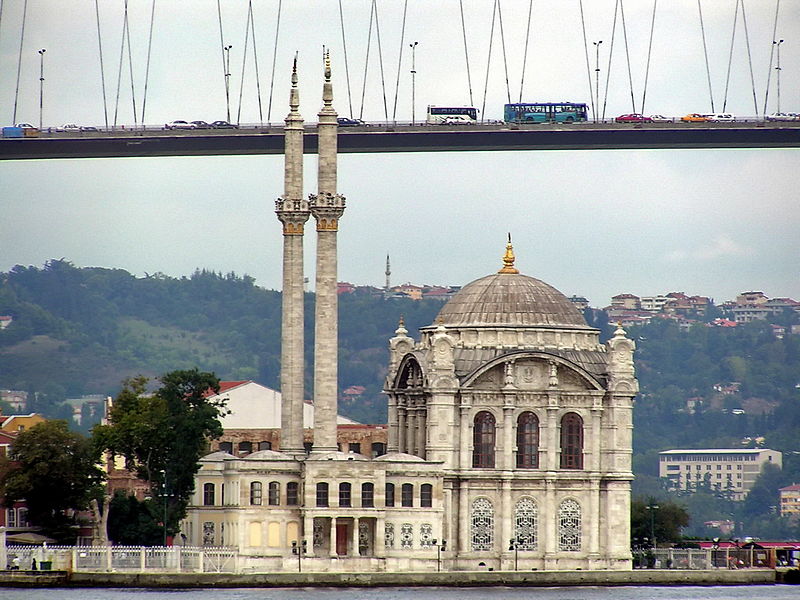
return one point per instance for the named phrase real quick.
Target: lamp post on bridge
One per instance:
(778, 69)
(597, 78)
(413, 82)
(41, 85)
(227, 50)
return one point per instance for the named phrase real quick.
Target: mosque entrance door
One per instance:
(341, 539)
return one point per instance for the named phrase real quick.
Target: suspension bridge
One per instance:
(488, 53)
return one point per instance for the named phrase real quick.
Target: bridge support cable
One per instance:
(771, 53)
(19, 61)
(255, 64)
(102, 67)
(126, 36)
(224, 62)
(649, 53)
(466, 53)
(488, 60)
(705, 54)
(627, 53)
(380, 60)
(588, 68)
(400, 60)
(525, 52)
(366, 60)
(346, 62)
(248, 21)
(147, 66)
(274, 58)
(749, 59)
(130, 65)
(730, 56)
(503, 46)
(610, 56)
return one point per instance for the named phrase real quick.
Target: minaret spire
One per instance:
(388, 275)
(508, 259)
(292, 211)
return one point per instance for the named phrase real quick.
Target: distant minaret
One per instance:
(327, 207)
(388, 275)
(292, 211)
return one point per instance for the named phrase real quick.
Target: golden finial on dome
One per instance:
(508, 259)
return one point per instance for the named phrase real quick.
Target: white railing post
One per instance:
(108, 558)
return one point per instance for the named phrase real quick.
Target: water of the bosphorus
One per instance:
(751, 592)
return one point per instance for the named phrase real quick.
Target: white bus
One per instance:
(452, 115)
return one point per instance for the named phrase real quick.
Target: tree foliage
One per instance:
(163, 434)
(55, 471)
(662, 519)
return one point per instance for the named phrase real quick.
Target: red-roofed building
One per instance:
(790, 500)
(5, 321)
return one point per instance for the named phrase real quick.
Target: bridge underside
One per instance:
(400, 139)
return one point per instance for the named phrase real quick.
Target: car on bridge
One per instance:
(694, 118)
(721, 118)
(633, 118)
(348, 122)
(179, 125)
(661, 119)
(223, 125)
(781, 116)
(200, 125)
(69, 128)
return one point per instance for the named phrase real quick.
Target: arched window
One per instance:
(526, 516)
(569, 526)
(245, 447)
(274, 493)
(292, 495)
(426, 495)
(483, 440)
(255, 493)
(226, 447)
(322, 494)
(345, 490)
(389, 494)
(367, 495)
(528, 441)
(407, 494)
(208, 494)
(571, 441)
(482, 530)
(265, 445)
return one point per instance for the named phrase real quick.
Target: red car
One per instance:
(633, 118)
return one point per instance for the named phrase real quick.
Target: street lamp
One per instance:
(440, 547)
(652, 507)
(41, 84)
(165, 495)
(227, 50)
(597, 77)
(778, 69)
(413, 81)
(714, 551)
(514, 544)
(299, 551)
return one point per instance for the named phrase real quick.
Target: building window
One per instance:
(389, 494)
(355, 447)
(482, 522)
(406, 535)
(426, 536)
(388, 535)
(367, 495)
(292, 496)
(322, 494)
(255, 493)
(528, 441)
(265, 445)
(526, 517)
(407, 495)
(426, 495)
(571, 442)
(378, 449)
(226, 447)
(245, 447)
(22, 517)
(208, 533)
(569, 526)
(11, 517)
(274, 493)
(483, 440)
(208, 494)
(344, 494)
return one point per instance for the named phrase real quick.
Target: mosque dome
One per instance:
(510, 298)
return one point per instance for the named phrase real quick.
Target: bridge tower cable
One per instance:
(400, 60)
(503, 46)
(366, 60)
(248, 21)
(525, 52)
(627, 53)
(466, 52)
(705, 54)
(610, 56)
(222, 54)
(19, 61)
(147, 67)
(255, 64)
(730, 57)
(649, 54)
(488, 60)
(274, 57)
(346, 62)
(586, 55)
(771, 53)
(125, 37)
(380, 61)
(130, 66)
(749, 59)
(102, 67)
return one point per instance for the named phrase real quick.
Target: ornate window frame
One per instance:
(569, 525)
(482, 525)
(526, 524)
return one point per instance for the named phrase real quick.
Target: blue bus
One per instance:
(545, 112)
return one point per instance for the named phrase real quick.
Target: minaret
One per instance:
(327, 207)
(292, 211)
(388, 275)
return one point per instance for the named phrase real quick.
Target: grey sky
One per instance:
(593, 223)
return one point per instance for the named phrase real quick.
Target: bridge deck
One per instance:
(584, 136)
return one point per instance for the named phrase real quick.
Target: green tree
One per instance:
(163, 434)
(662, 518)
(132, 523)
(55, 471)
